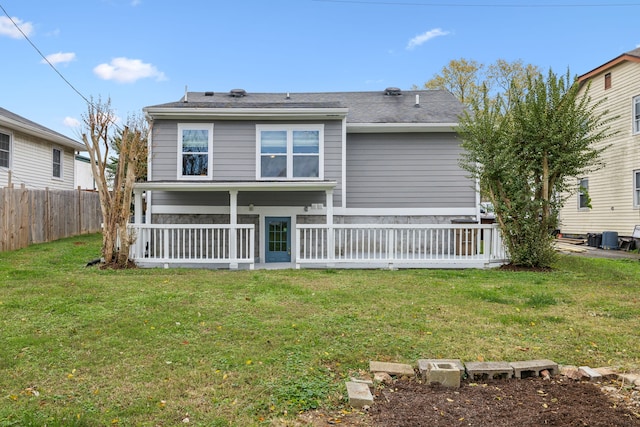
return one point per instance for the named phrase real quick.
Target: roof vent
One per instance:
(208, 94)
(392, 91)
(237, 93)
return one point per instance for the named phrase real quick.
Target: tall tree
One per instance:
(461, 77)
(98, 135)
(523, 150)
(467, 79)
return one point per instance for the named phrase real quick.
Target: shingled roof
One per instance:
(414, 106)
(632, 56)
(16, 122)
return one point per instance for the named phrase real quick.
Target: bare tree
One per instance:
(99, 131)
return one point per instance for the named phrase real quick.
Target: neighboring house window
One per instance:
(636, 188)
(57, 163)
(195, 146)
(5, 150)
(636, 114)
(584, 202)
(290, 152)
(607, 81)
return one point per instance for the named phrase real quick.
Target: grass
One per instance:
(89, 347)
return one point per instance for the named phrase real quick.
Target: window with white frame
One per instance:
(584, 202)
(5, 150)
(57, 163)
(636, 189)
(290, 152)
(636, 114)
(195, 148)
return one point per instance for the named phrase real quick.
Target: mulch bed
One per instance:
(526, 402)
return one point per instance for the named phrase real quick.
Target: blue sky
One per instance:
(144, 52)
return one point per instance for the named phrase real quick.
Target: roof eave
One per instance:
(40, 133)
(604, 67)
(244, 113)
(400, 127)
(239, 186)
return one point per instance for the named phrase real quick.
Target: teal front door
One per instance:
(278, 239)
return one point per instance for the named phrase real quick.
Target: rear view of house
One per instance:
(608, 200)
(308, 179)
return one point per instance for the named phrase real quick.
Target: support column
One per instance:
(331, 246)
(233, 230)
(137, 203)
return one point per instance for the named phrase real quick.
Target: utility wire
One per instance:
(44, 57)
(501, 5)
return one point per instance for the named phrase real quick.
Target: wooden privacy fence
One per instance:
(34, 216)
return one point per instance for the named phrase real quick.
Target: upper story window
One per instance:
(195, 147)
(636, 114)
(607, 81)
(290, 152)
(5, 150)
(57, 163)
(584, 202)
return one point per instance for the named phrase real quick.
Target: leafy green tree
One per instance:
(523, 149)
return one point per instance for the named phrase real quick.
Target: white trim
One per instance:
(195, 126)
(636, 189)
(299, 210)
(11, 148)
(239, 185)
(289, 129)
(343, 195)
(470, 211)
(400, 127)
(48, 135)
(635, 122)
(244, 113)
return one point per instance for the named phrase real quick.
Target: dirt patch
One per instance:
(524, 403)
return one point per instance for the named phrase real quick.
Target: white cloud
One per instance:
(71, 122)
(7, 28)
(125, 70)
(58, 58)
(425, 37)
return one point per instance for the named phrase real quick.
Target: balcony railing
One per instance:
(410, 245)
(193, 243)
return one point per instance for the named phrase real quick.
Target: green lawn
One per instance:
(88, 347)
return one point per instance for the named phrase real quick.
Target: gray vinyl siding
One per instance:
(234, 159)
(407, 170)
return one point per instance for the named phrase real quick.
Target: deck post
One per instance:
(331, 246)
(233, 230)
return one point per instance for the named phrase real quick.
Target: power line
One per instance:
(500, 5)
(44, 57)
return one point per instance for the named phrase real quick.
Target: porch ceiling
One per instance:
(236, 186)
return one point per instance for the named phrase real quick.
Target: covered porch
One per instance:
(281, 238)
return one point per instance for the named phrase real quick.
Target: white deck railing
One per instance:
(193, 243)
(417, 245)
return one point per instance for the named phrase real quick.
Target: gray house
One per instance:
(345, 179)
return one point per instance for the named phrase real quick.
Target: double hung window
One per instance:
(5, 150)
(195, 147)
(584, 201)
(290, 152)
(57, 163)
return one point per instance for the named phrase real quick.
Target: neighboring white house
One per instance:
(83, 173)
(34, 155)
(609, 199)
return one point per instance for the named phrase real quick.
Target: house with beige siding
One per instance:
(608, 200)
(340, 179)
(34, 155)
